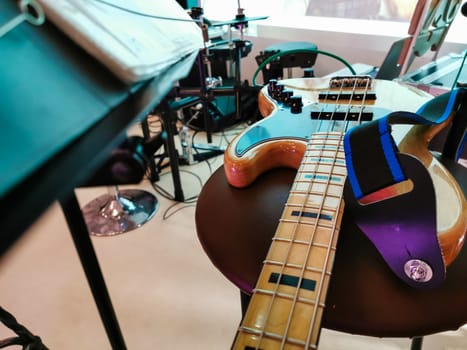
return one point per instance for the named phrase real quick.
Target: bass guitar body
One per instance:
(306, 134)
(279, 140)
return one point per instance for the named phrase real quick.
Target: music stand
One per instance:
(428, 27)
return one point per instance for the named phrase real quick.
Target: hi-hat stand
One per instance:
(209, 88)
(200, 98)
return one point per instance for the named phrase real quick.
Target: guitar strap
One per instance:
(403, 228)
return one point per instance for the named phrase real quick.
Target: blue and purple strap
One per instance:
(403, 228)
(371, 144)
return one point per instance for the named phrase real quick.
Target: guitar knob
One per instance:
(271, 86)
(276, 93)
(296, 104)
(285, 96)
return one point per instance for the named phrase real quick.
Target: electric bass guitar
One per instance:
(306, 133)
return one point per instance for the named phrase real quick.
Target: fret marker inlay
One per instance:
(321, 177)
(308, 214)
(327, 160)
(292, 281)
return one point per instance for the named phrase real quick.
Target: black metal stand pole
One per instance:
(204, 95)
(417, 343)
(154, 176)
(87, 255)
(168, 121)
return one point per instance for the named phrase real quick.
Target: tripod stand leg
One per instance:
(88, 257)
(154, 176)
(204, 97)
(168, 121)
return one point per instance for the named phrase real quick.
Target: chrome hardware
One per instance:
(418, 270)
(31, 12)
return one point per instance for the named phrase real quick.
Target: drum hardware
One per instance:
(214, 92)
(120, 211)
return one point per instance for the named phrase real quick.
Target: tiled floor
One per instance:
(165, 291)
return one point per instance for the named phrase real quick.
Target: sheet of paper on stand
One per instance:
(134, 39)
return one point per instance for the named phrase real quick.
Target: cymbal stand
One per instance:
(209, 87)
(236, 47)
(203, 63)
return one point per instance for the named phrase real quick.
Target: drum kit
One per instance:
(216, 77)
(121, 211)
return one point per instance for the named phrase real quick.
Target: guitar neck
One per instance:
(286, 308)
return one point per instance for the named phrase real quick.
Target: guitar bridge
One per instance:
(352, 82)
(349, 88)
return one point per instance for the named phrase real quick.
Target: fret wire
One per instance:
(316, 167)
(308, 223)
(323, 157)
(319, 178)
(274, 336)
(316, 183)
(311, 206)
(314, 193)
(320, 181)
(307, 206)
(297, 195)
(311, 222)
(315, 155)
(297, 241)
(303, 300)
(325, 161)
(330, 203)
(297, 266)
(307, 268)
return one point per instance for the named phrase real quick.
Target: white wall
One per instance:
(352, 40)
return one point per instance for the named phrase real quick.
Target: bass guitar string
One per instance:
(293, 238)
(331, 127)
(334, 229)
(317, 305)
(268, 313)
(288, 253)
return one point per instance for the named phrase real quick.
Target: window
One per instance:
(395, 10)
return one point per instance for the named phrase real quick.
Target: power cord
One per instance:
(225, 136)
(289, 52)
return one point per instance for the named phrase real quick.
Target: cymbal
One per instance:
(237, 21)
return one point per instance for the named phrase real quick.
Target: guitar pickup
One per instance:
(345, 113)
(347, 96)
